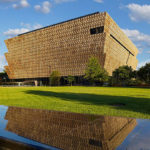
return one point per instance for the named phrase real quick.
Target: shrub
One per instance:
(55, 78)
(70, 79)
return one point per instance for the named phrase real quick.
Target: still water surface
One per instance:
(44, 129)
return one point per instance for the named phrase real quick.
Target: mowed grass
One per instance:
(91, 100)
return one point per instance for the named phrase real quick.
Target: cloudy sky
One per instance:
(19, 16)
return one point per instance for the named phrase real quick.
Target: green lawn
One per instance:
(92, 100)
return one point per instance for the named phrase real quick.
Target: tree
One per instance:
(70, 79)
(94, 72)
(3, 76)
(55, 78)
(144, 73)
(123, 75)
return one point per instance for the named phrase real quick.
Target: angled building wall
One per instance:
(67, 47)
(119, 48)
(69, 130)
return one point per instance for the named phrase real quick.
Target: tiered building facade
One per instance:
(69, 130)
(67, 47)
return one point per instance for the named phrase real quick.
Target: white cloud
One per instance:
(13, 32)
(44, 8)
(30, 27)
(62, 1)
(139, 12)
(37, 26)
(137, 36)
(3, 62)
(25, 28)
(143, 63)
(99, 1)
(21, 4)
(141, 40)
(16, 4)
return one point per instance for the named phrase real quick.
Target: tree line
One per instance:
(96, 75)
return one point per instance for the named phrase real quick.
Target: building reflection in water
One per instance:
(69, 130)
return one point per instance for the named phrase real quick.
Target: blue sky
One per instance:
(18, 16)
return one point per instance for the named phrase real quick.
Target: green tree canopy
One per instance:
(94, 72)
(3, 76)
(123, 74)
(144, 73)
(55, 78)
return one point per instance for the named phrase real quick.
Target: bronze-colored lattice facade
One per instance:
(69, 131)
(67, 47)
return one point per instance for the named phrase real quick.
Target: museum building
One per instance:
(67, 46)
(69, 130)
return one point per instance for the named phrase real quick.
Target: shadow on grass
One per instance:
(136, 104)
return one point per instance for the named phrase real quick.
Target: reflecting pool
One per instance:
(23, 128)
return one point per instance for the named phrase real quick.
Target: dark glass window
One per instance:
(97, 30)
(93, 31)
(100, 29)
(95, 142)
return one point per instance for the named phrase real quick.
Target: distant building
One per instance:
(67, 47)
